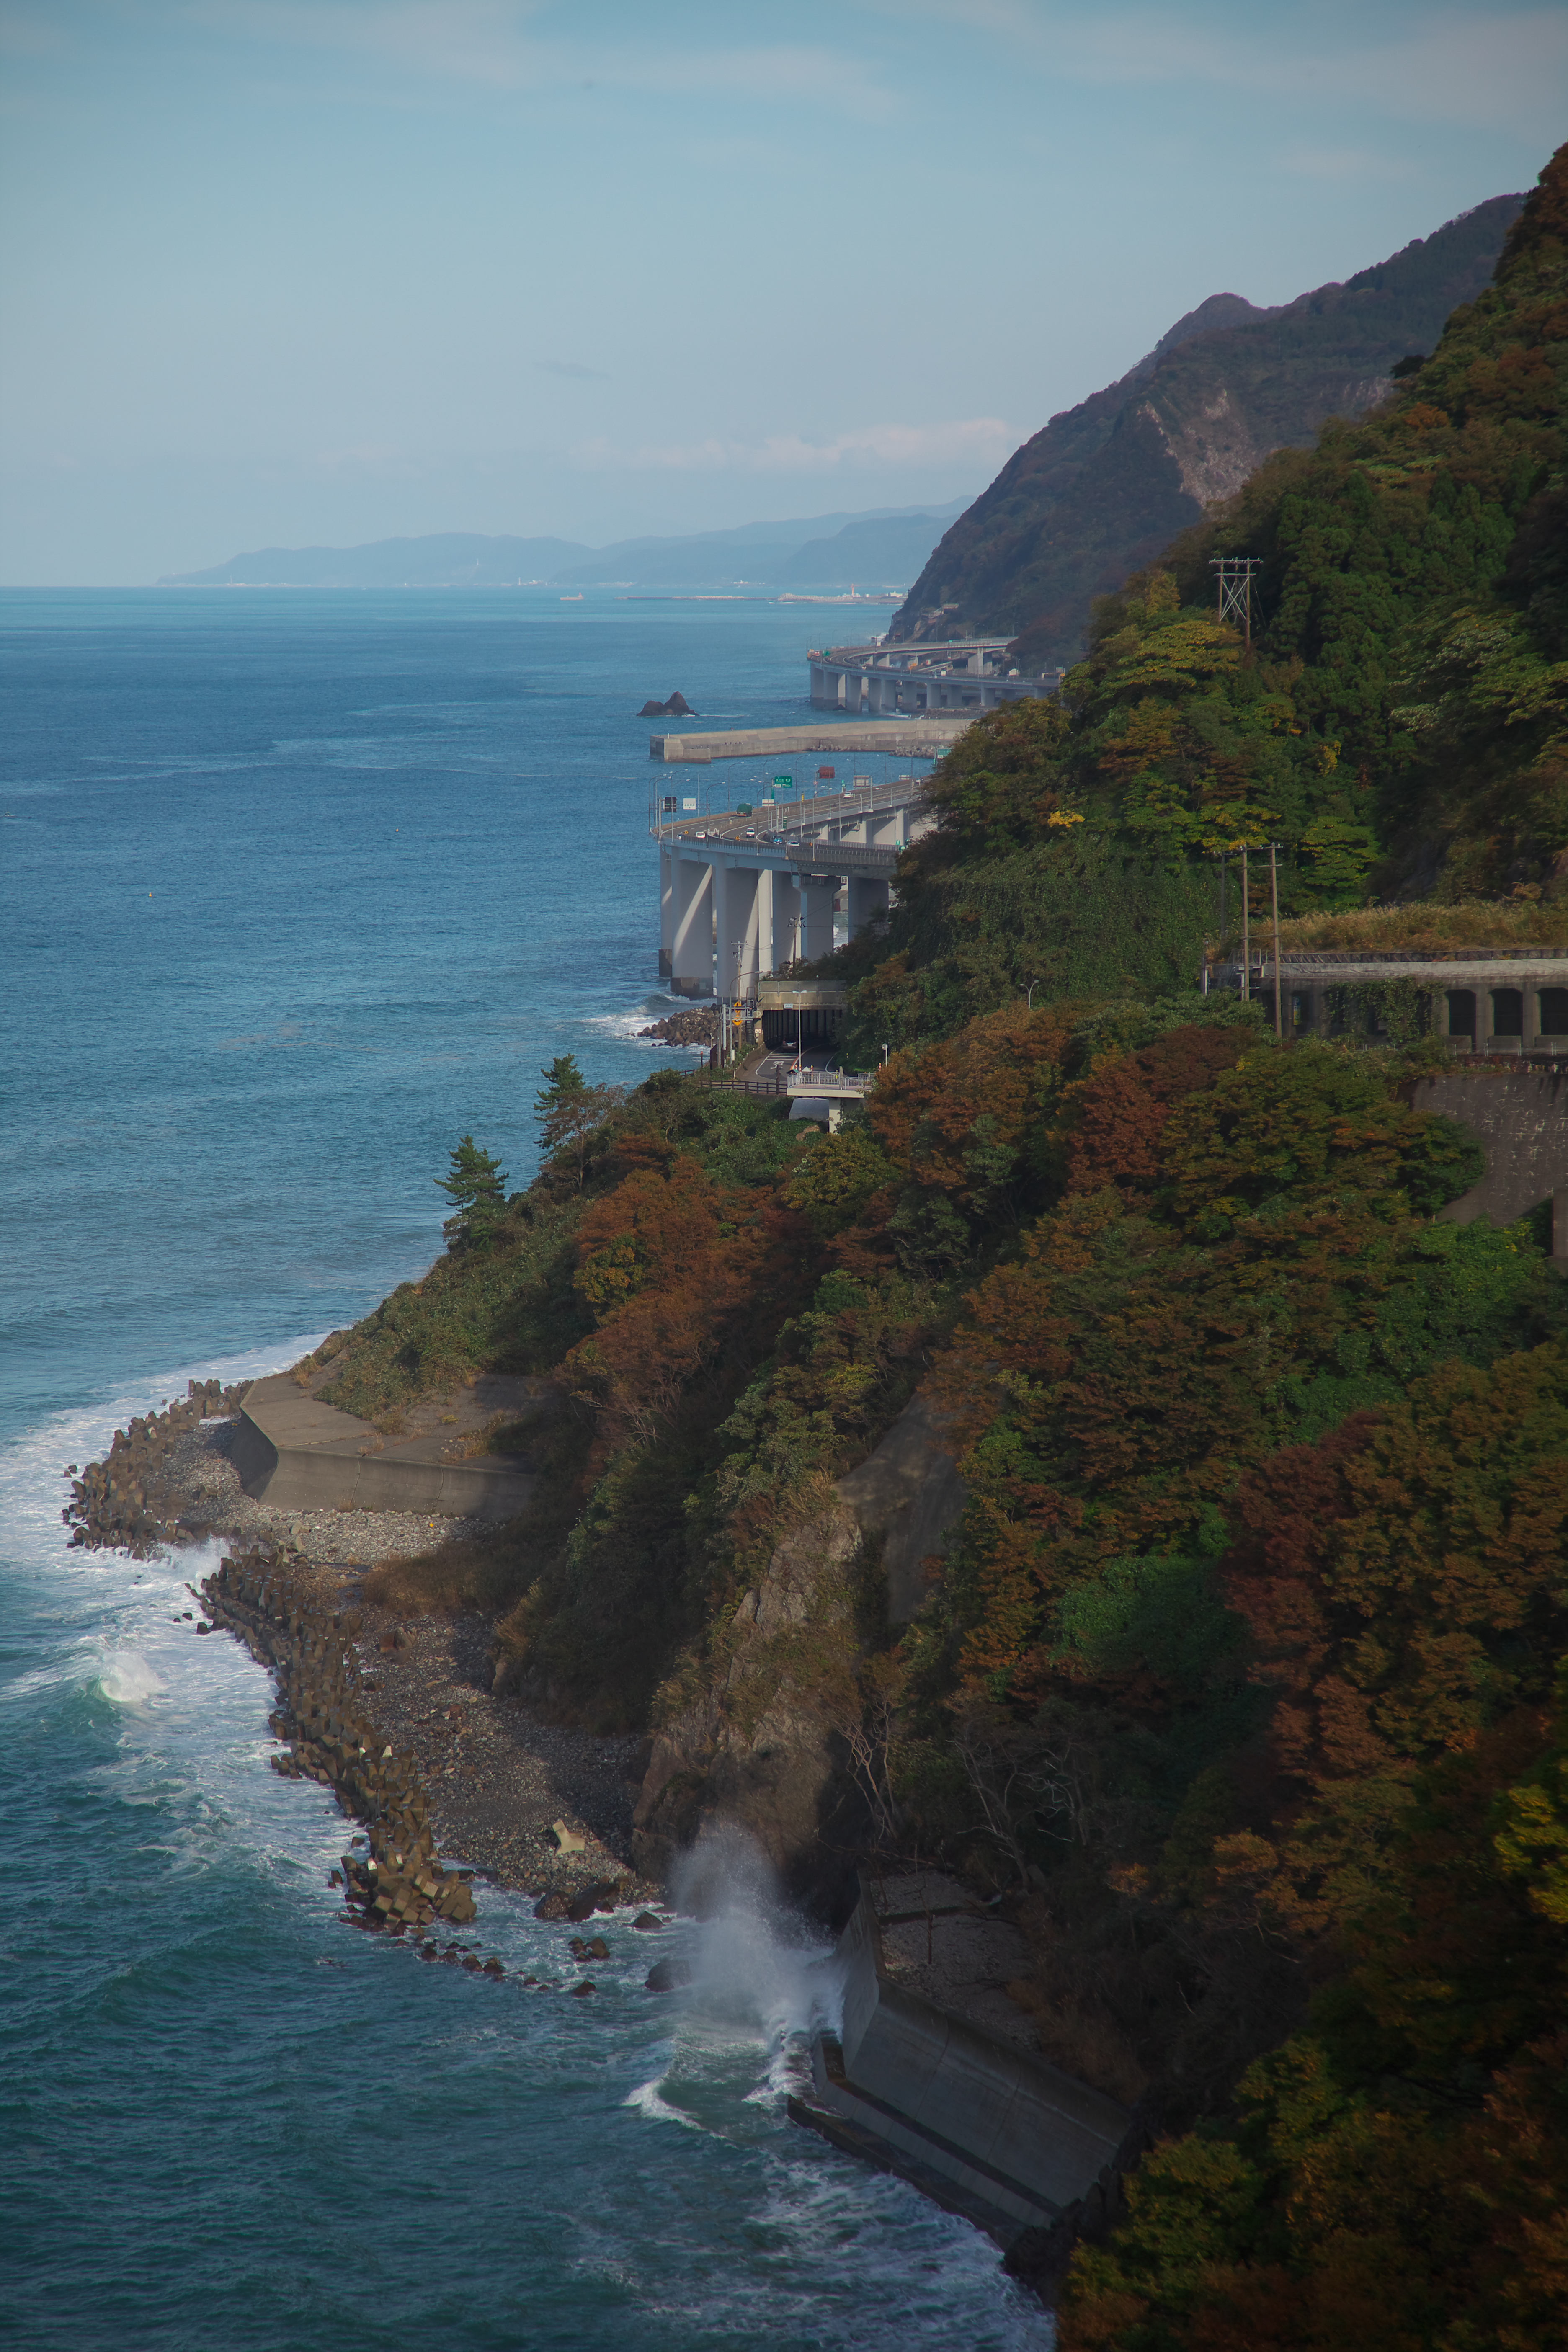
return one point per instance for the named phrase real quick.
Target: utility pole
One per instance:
(1274, 906)
(1233, 576)
(1246, 933)
(737, 949)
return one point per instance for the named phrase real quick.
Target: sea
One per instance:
(297, 888)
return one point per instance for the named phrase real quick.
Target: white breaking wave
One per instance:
(762, 1983)
(648, 2101)
(128, 1679)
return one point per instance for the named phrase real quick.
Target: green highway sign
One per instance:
(784, 783)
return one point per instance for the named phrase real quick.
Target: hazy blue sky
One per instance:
(279, 271)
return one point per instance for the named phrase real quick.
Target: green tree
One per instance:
(570, 1111)
(564, 1081)
(476, 1190)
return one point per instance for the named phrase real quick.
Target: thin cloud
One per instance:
(573, 368)
(1502, 68)
(461, 40)
(973, 439)
(490, 42)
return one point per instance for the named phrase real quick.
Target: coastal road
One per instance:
(780, 1064)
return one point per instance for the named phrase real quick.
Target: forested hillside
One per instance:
(1102, 488)
(1397, 724)
(1243, 1682)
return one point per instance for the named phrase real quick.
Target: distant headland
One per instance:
(884, 547)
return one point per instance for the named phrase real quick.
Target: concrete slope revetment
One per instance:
(953, 2102)
(297, 1453)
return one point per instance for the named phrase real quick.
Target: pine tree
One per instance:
(564, 1081)
(476, 1190)
(569, 1111)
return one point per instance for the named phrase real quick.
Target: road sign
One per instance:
(784, 783)
(690, 805)
(667, 805)
(828, 774)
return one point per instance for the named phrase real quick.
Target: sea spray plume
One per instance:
(757, 1962)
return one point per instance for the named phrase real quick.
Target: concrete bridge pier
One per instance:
(666, 913)
(691, 946)
(817, 896)
(781, 931)
(736, 928)
(867, 898)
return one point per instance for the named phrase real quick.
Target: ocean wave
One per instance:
(649, 2101)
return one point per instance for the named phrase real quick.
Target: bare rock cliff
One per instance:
(761, 1737)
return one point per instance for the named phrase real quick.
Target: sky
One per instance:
(291, 272)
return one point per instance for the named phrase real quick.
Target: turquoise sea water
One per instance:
(294, 890)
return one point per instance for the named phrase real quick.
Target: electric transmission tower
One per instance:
(1234, 573)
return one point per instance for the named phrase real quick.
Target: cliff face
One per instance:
(1109, 483)
(761, 1741)
(769, 1739)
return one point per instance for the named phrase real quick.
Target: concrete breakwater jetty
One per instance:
(126, 1501)
(403, 1886)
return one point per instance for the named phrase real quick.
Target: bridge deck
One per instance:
(780, 835)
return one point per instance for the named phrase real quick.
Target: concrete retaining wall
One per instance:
(299, 1455)
(1521, 1118)
(986, 2128)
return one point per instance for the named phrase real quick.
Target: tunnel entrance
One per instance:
(811, 1025)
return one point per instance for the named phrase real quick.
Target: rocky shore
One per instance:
(397, 1715)
(698, 1027)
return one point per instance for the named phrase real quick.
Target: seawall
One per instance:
(297, 1454)
(982, 2125)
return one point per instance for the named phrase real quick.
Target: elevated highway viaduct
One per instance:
(744, 896)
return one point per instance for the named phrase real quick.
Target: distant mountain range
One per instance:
(1107, 485)
(884, 547)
